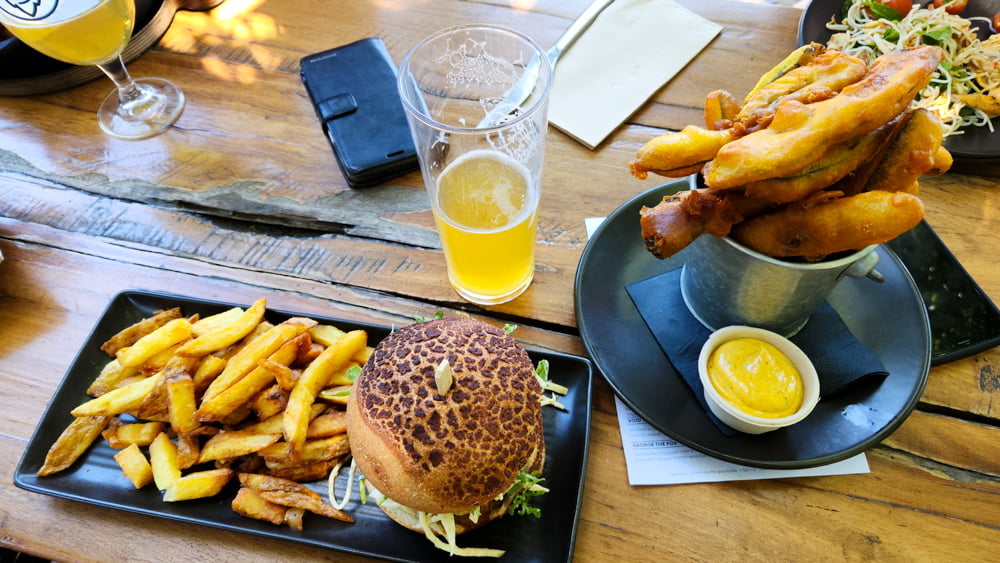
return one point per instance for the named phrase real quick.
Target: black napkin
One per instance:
(841, 360)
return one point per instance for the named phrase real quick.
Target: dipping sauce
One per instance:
(756, 378)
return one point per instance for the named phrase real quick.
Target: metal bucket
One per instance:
(725, 283)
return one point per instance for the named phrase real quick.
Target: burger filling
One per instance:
(437, 526)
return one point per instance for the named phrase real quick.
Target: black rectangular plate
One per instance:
(964, 321)
(96, 478)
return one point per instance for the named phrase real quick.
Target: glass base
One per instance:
(159, 106)
(491, 299)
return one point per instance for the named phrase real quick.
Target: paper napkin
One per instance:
(630, 51)
(841, 360)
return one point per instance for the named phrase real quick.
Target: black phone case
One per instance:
(353, 88)
(964, 321)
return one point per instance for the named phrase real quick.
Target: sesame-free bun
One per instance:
(451, 453)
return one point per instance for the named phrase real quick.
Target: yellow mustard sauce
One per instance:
(756, 378)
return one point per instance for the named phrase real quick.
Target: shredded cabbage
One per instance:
(542, 374)
(450, 546)
(447, 521)
(332, 478)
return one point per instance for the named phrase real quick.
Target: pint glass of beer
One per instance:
(476, 98)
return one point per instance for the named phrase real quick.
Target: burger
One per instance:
(445, 426)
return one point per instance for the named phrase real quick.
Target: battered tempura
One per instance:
(801, 133)
(820, 175)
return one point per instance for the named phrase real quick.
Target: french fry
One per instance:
(363, 356)
(131, 334)
(250, 504)
(273, 424)
(219, 390)
(139, 376)
(283, 374)
(291, 493)
(266, 483)
(214, 322)
(227, 401)
(237, 417)
(269, 402)
(263, 328)
(308, 354)
(330, 423)
(314, 378)
(301, 471)
(120, 400)
(209, 368)
(159, 360)
(270, 425)
(296, 499)
(110, 433)
(111, 375)
(188, 450)
(135, 466)
(71, 444)
(235, 443)
(326, 334)
(181, 402)
(149, 345)
(225, 335)
(293, 517)
(139, 433)
(156, 405)
(321, 449)
(164, 462)
(245, 361)
(200, 484)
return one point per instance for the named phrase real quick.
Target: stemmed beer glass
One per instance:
(94, 32)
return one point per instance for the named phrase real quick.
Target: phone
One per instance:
(353, 89)
(964, 321)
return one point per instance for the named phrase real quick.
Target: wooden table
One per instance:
(242, 199)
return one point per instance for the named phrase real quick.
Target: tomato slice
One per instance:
(954, 7)
(901, 6)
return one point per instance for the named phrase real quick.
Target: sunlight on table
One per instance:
(241, 20)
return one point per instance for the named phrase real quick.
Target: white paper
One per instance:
(631, 50)
(653, 458)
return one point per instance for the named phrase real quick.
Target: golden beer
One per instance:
(95, 32)
(77, 32)
(486, 216)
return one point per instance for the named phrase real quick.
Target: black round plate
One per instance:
(977, 150)
(631, 360)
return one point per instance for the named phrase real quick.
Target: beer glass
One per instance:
(94, 32)
(476, 98)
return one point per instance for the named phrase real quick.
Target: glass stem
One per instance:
(127, 90)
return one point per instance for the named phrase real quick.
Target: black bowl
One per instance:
(977, 150)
